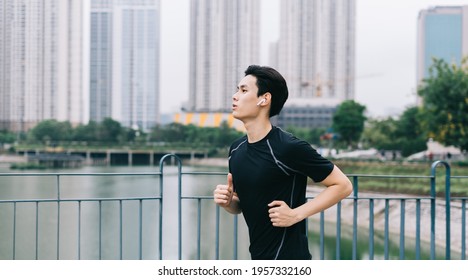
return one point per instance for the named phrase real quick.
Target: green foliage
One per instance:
(108, 131)
(51, 130)
(404, 134)
(87, 132)
(377, 134)
(409, 133)
(193, 136)
(445, 103)
(348, 121)
(111, 132)
(7, 137)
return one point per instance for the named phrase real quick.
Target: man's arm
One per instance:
(225, 197)
(338, 188)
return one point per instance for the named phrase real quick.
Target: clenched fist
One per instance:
(223, 193)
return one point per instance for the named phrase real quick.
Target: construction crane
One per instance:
(320, 84)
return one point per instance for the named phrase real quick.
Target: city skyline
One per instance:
(386, 36)
(385, 66)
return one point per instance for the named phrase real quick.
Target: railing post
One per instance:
(179, 196)
(447, 204)
(433, 213)
(355, 215)
(217, 234)
(338, 231)
(58, 216)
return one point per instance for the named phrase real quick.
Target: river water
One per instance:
(96, 230)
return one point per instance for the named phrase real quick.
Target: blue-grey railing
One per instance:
(59, 200)
(355, 199)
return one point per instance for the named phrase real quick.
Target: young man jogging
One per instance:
(268, 171)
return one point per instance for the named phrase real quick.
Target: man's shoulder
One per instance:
(239, 140)
(285, 140)
(237, 143)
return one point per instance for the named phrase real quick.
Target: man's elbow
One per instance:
(347, 187)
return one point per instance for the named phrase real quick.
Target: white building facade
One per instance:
(43, 62)
(316, 48)
(224, 41)
(125, 43)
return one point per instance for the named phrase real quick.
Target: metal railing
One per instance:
(139, 222)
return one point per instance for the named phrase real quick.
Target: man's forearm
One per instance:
(324, 200)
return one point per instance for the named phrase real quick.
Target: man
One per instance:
(268, 170)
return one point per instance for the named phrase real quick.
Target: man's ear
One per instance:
(267, 96)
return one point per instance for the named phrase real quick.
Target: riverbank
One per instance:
(8, 160)
(209, 162)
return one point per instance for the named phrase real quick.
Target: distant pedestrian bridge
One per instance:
(112, 156)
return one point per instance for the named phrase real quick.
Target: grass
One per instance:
(27, 166)
(410, 184)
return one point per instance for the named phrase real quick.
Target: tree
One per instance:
(348, 121)
(87, 132)
(7, 137)
(404, 134)
(409, 133)
(445, 103)
(378, 134)
(51, 130)
(110, 131)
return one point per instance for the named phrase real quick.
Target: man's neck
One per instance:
(257, 130)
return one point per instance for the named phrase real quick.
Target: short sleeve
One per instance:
(301, 156)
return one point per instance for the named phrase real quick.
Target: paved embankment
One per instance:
(395, 216)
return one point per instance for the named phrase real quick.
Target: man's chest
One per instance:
(256, 174)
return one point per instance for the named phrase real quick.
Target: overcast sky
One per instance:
(385, 51)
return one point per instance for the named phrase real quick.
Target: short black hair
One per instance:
(270, 80)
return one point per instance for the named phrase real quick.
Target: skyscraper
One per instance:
(100, 87)
(43, 65)
(125, 40)
(442, 34)
(316, 48)
(224, 41)
(316, 54)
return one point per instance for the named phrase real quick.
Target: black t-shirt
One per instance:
(275, 168)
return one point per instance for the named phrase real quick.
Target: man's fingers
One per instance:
(275, 203)
(222, 187)
(229, 182)
(223, 193)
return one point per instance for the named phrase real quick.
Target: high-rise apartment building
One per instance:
(224, 41)
(316, 54)
(43, 62)
(442, 34)
(100, 83)
(316, 48)
(124, 73)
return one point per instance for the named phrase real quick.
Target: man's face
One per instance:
(244, 101)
